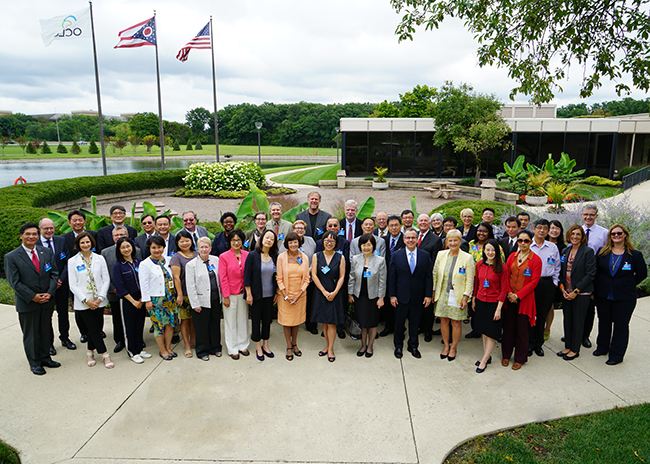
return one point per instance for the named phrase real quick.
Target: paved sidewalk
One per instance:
(377, 410)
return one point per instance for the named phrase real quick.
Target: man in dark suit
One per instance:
(410, 288)
(31, 272)
(428, 242)
(105, 234)
(163, 225)
(148, 230)
(109, 256)
(381, 218)
(509, 240)
(351, 224)
(314, 217)
(56, 244)
(394, 242)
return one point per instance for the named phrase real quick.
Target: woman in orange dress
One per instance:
(293, 280)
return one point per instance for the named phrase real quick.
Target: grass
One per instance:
(616, 436)
(454, 207)
(8, 455)
(309, 176)
(14, 152)
(285, 167)
(595, 192)
(6, 295)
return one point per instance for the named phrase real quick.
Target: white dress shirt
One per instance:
(597, 236)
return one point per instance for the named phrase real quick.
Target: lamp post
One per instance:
(338, 136)
(258, 126)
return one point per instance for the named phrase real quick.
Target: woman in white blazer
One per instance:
(202, 282)
(159, 296)
(453, 282)
(366, 290)
(89, 281)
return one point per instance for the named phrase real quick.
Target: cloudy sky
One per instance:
(331, 51)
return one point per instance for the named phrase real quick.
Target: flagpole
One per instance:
(214, 93)
(99, 98)
(160, 119)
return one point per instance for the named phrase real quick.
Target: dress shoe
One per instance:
(560, 354)
(369, 354)
(611, 362)
(119, 346)
(361, 352)
(562, 339)
(103, 334)
(428, 338)
(385, 333)
(566, 357)
(52, 351)
(489, 361)
(398, 353)
(479, 370)
(322, 353)
(83, 339)
(38, 370)
(268, 354)
(416, 353)
(443, 356)
(244, 352)
(505, 362)
(516, 366)
(586, 343)
(599, 353)
(51, 363)
(260, 357)
(340, 333)
(68, 344)
(539, 351)
(530, 352)
(451, 358)
(235, 356)
(473, 334)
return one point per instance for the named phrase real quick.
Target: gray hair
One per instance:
(188, 212)
(437, 216)
(351, 203)
(591, 206)
(275, 203)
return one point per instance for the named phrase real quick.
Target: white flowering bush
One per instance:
(234, 175)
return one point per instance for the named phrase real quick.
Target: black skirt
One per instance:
(365, 309)
(484, 322)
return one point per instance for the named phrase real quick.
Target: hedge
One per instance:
(453, 208)
(28, 202)
(229, 194)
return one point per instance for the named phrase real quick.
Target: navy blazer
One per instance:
(343, 224)
(398, 245)
(583, 270)
(430, 243)
(471, 235)
(124, 276)
(105, 236)
(623, 285)
(69, 238)
(409, 287)
(60, 256)
(253, 274)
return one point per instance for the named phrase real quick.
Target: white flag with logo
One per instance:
(71, 26)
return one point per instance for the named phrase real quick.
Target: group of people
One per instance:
(390, 269)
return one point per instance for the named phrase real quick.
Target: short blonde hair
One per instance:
(454, 233)
(203, 240)
(299, 221)
(467, 212)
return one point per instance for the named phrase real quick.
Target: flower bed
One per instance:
(234, 175)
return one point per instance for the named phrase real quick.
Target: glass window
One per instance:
(553, 143)
(355, 153)
(528, 145)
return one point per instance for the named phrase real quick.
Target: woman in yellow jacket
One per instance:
(453, 282)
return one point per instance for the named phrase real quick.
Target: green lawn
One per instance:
(284, 167)
(12, 152)
(617, 436)
(309, 176)
(596, 192)
(6, 294)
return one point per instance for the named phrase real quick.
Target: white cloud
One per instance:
(281, 51)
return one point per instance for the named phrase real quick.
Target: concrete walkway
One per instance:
(355, 410)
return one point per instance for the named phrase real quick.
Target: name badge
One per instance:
(341, 233)
(137, 269)
(171, 253)
(367, 274)
(377, 253)
(626, 267)
(563, 259)
(281, 237)
(319, 231)
(211, 267)
(81, 268)
(474, 247)
(462, 270)
(170, 284)
(47, 267)
(299, 260)
(527, 272)
(550, 260)
(340, 252)
(93, 249)
(325, 269)
(247, 243)
(486, 283)
(62, 255)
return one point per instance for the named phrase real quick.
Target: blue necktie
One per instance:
(392, 244)
(412, 262)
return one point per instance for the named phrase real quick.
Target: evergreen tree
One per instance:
(76, 149)
(198, 145)
(92, 148)
(45, 149)
(61, 148)
(189, 146)
(176, 146)
(30, 149)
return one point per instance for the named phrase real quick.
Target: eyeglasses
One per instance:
(188, 220)
(617, 234)
(523, 240)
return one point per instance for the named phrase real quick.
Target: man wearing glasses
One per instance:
(148, 229)
(596, 239)
(190, 225)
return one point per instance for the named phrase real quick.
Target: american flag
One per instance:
(139, 35)
(200, 40)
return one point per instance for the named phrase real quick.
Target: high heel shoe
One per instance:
(480, 371)
(90, 358)
(443, 356)
(451, 358)
(108, 364)
(489, 361)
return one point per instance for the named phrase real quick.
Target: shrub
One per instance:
(601, 181)
(45, 149)
(453, 208)
(628, 170)
(93, 149)
(61, 148)
(198, 145)
(7, 295)
(75, 149)
(223, 176)
(188, 193)
(176, 146)
(188, 147)
(30, 149)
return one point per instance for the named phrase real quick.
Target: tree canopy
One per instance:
(538, 40)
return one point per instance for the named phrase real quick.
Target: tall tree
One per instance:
(538, 40)
(143, 124)
(198, 119)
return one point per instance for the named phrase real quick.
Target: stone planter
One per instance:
(533, 200)
(380, 185)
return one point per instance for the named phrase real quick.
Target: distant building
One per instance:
(405, 145)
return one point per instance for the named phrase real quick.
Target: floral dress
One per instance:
(164, 311)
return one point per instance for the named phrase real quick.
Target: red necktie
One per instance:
(35, 262)
(349, 232)
(277, 228)
(420, 239)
